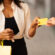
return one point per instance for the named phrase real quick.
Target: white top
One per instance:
(22, 18)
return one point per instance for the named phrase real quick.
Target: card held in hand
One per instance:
(43, 21)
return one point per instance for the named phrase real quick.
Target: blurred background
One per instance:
(43, 42)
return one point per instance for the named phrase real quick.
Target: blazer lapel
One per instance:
(19, 17)
(2, 22)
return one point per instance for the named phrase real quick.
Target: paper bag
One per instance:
(4, 50)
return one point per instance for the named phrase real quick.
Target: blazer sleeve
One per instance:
(27, 20)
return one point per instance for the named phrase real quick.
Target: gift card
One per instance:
(43, 21)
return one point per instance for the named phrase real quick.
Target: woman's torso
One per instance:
(18, 16)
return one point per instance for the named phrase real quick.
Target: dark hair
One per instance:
(17, 2)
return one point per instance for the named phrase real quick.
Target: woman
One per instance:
(15, 24)
(51, 22)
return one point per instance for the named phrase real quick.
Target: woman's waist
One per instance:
(22, 39)
(18, 42)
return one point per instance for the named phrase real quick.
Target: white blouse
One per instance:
(22, 18)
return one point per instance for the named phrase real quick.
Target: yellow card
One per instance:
(43, 21)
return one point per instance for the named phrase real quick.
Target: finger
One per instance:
(9, 30)
(52, 18)
(39, 25)
(35, 24)
(49, 24)
(13, 40)
(37, 18)
(7, 34)
(6, 38)
(49, 21)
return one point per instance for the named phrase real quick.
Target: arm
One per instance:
(33, 27)
(30, 29)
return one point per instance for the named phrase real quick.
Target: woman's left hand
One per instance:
(33, 27)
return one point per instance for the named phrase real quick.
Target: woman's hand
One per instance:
(51, 22)
(7, 34)
(33, 27)
(35, 23)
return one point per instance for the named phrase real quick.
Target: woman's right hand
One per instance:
(7, 34)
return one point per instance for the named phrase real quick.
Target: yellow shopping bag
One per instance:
(4, 50)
